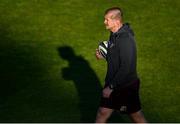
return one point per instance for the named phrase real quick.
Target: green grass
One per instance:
(39, 82)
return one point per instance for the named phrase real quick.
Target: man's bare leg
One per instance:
(138, 117)
(103, 114)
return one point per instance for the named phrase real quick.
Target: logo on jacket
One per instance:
(111, 45)
(123, 108)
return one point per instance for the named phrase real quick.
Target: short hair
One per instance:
(118, 12)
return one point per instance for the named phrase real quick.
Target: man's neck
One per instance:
(116, 28)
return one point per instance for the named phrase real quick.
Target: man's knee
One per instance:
(138, 117)
(104, 112)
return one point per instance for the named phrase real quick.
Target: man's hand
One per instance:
(107, 92)
(98, 55)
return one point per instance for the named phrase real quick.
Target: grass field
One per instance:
(48, 71)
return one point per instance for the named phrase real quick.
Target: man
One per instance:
(121, 90)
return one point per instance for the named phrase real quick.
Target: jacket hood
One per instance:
(125, 28)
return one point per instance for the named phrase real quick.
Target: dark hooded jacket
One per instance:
(121, 58)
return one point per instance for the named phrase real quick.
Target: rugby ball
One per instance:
(103, 45)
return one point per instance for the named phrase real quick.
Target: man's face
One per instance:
(108, 21)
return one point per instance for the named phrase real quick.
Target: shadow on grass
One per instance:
(85, 80)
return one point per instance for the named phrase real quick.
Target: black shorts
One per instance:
(125, 100)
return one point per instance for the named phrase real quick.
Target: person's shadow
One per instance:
(86, 82)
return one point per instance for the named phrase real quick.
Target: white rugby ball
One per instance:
(103, 45)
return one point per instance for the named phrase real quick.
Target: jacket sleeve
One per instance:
(126, 59)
